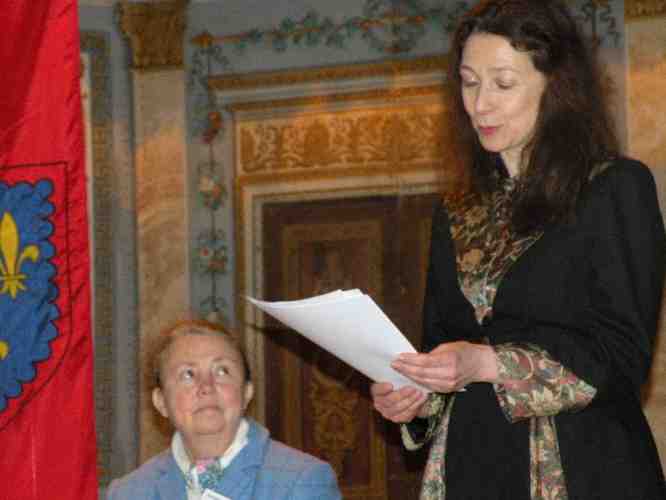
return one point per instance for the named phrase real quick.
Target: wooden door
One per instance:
(314, 401)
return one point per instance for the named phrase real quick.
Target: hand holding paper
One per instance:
(349, 325)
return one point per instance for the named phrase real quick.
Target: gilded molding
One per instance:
(388, 68)
(155, 31)
(638, 9)
(390, 95)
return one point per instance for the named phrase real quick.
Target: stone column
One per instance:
(646, 111)
(155, 31)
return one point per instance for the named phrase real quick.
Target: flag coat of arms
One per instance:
(47, 427)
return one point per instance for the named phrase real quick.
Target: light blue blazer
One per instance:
(264, 470)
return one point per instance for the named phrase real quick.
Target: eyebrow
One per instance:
(214, 360)
(228, 359)
(185, 364)
(496, 69)
(193, 365)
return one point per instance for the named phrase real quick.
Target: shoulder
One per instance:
(283, 461)
(621, 202)
(291, 462)
(142, 481)
(621, 173)
(290, 473)
(624, 182)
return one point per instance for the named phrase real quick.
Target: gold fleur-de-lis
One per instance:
(4, 349)
(10, 259)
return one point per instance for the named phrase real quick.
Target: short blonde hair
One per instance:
(179, 329)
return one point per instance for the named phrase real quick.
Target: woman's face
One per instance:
(204, 393)
(501, 91)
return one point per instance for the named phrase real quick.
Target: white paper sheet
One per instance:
(349, 325)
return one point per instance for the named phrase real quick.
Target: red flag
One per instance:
(47, 427)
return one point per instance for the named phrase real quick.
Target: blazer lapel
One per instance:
(239, 485)
(239, 479)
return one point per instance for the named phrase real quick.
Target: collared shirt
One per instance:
(189, 469)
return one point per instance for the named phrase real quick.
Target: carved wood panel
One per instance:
(316, 402)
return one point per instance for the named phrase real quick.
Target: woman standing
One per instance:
(544, 284)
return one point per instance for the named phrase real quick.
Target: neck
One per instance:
(207, 446)
(515, 161)
(513, 171)
(512, 165)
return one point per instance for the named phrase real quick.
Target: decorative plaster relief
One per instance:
(395, 139)
(155, 31)
(634, 9)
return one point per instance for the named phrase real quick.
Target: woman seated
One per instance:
(203, 387)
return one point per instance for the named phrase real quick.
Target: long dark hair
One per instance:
(573, 131)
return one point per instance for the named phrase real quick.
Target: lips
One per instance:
(208, 408)
(487, 131)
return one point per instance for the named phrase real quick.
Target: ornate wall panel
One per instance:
(322, 404)
(318, 403)
(323, 145)
(326, 144)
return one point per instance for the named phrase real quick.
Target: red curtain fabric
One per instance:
(47, 426)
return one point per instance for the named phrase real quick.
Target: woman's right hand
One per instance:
(399, 406)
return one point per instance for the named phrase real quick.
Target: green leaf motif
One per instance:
(335, 40)
(279, 43)
(310, 20)
(312, 38)
(287, 25)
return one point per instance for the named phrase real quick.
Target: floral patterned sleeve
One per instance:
(532, 384)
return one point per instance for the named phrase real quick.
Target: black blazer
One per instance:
(588, 292)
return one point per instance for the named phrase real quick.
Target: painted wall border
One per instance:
(96, 44)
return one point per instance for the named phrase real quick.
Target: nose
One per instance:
(483, 100)
(206, 384)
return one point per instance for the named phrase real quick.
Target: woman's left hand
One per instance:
(450, 366)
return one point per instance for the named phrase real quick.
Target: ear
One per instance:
(248, 393)
(159, 403)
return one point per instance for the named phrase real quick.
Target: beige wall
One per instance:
(646, 101)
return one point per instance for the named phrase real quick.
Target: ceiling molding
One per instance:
(247, 81)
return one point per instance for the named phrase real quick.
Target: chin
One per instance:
(210, 418)
(491, 146)
(211, 427)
